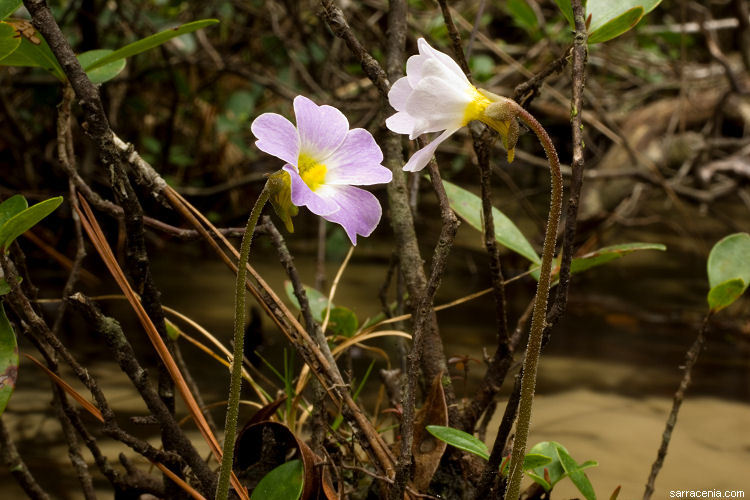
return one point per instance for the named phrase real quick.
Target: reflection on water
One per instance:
(620, 344)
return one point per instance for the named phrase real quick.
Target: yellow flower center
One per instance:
(475, 109)
(312, 172)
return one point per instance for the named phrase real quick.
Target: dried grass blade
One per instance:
(179, 481)
(94, 232)
(87, 405)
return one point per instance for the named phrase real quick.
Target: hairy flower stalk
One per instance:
(434, 96)
(235, 381)
(323, 159)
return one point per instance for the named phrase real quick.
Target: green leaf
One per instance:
(567, 11)
(576, 474)
(469, 207)
(460, 440)
(9, 42)
(534, 460)
(555, 468)
(606, 11)
(104, 73)
(12, 206)
(173, 331)
(617, 26)
(33, 50)
(343, 321)
(318, 302)
(539, 480)
(523, 15)
(609, 253)
(282, 483)
(4, 287)
(25, 220)
(728, 270)
(724, 294)
(8, 7)
(149, 42)
(8, 360)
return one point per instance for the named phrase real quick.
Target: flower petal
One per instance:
(357, 161)
(436, 105)
(321, 128)
(360, 211)
(399, 93)
(302, 195)
(426, 49)
(404, 123)
(276, 136)
(422, 157)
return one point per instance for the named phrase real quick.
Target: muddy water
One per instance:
(605, 382)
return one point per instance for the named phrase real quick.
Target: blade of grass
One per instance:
(97, 237)
(87, 405)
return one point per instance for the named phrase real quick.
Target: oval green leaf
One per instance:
(469, 207)
(460, 439)
(343, 321)
(285, 482)
(728, 270)
(318, 302)
(576, 474)
(8, 40)
(610, 253)
(724, 294)
(535, 460)
(104, 73)
(149, 43)
(8, 7)
(25, 220)
(617, 26)
(555, 468)
(8, 360)
(33, 51)
(12, 206)
(603, 12)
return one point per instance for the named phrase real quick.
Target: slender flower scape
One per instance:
(323, 159)
(435, 95)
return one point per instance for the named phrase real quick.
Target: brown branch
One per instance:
(577, 167)
(17, 467)
(690, 358)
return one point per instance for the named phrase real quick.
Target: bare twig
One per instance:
(690, 358)
(17, 467)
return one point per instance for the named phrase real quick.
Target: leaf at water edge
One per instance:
(609, 253)
(284, 482)
(9, 42)
(576, 474)
(103, 73)
(150, 42)
(727, 264)
(8, 360)
(25, 220)
(724, 294)
(469, 207)
(460, 440)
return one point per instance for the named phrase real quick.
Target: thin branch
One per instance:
(690, 359)
(17, 467)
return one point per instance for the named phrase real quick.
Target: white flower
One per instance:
(435, 95)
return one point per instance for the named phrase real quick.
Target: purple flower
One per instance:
(324, 159)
